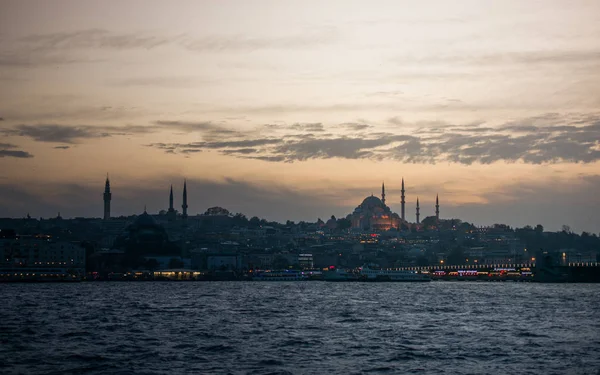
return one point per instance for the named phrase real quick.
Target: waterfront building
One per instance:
(40, 257)
(217, 261)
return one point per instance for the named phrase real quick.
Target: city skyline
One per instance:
(299, 110)
(157, 207)
(171, 212)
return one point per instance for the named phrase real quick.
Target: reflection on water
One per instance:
(300, 328)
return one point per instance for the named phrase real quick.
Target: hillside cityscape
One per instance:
(219, 244)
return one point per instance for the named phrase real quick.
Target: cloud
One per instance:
(312, 38)
(192, 126)
(70, 134)
(26, 58)
(311, 127)
(547, 142)
(97, 38)
(71, 110)
(355, 126)
(167, 82)
(7, 150)
(54, 133)
(70, 47)
(100, 38)
(15, 154)
(190, 150)
(340, 147)
(242, 146)
(241, 151)
(386, 94)
(550, 138)
(532, 57)
(395, 120)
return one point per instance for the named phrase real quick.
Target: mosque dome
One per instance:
(145, 220)
(372, 202)
(146, 236)
(373, 214)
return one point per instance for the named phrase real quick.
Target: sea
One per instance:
(299, 328)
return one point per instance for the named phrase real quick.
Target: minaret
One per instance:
(418, 214)
(437, 207)
(107, 198)
(383, 193)
(171, 211)
(184, 206)
(403, 202)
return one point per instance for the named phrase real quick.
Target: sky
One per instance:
(300, 109)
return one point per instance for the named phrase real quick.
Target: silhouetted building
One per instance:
(41, 252)
(146, 237)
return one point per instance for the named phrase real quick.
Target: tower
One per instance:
(184, 206)
(383, 193)
(107, 198)
(171, 212)
(437, 207)
(403, 201)
(418, 214)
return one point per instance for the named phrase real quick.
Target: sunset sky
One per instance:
(300, 109)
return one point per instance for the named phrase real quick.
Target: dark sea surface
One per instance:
(299, 328)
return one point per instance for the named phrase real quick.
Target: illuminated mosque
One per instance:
(374, 214)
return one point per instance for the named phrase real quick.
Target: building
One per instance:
(145, 236)
(40, 258)
(374, 214)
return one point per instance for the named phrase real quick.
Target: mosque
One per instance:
(374, 214)
(146, 236)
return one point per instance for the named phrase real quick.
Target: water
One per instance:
(299, 328)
